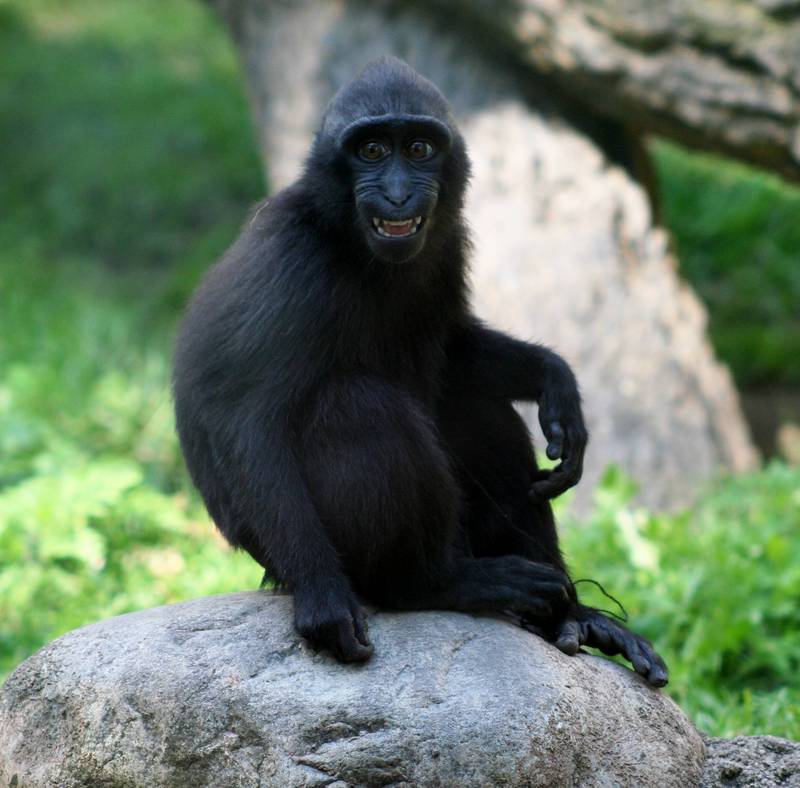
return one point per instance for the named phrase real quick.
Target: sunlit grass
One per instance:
(716, 588)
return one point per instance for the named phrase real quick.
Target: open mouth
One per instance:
(397, 229)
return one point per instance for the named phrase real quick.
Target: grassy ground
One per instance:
(125, 135)
(716, 589)
(127, 164)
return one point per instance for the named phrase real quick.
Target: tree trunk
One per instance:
(565, 248)
(723, 75)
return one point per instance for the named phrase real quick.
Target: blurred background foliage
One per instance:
(127, 163)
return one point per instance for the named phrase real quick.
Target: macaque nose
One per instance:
(398, 198)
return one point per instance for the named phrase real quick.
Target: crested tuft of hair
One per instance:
(386, 86)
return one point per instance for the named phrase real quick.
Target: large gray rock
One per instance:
(752, 762)
(221, 692)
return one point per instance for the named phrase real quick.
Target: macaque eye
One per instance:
(419, 150)
(372, 150)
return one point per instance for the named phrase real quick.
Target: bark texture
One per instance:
(566, 251)
(718, 74)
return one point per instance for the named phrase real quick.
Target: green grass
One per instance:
(737, 233)
(126, 166)
(124, 134)
(96, 514)
(717, 589)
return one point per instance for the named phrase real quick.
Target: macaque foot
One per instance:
(586, 626)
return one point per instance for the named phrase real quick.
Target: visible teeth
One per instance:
(379, 225)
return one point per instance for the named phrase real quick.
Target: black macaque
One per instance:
(346, 418)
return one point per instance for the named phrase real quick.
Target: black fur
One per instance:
(349, 422)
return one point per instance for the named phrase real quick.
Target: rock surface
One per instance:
(566, 251)
(752, 762)
(220, 692)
